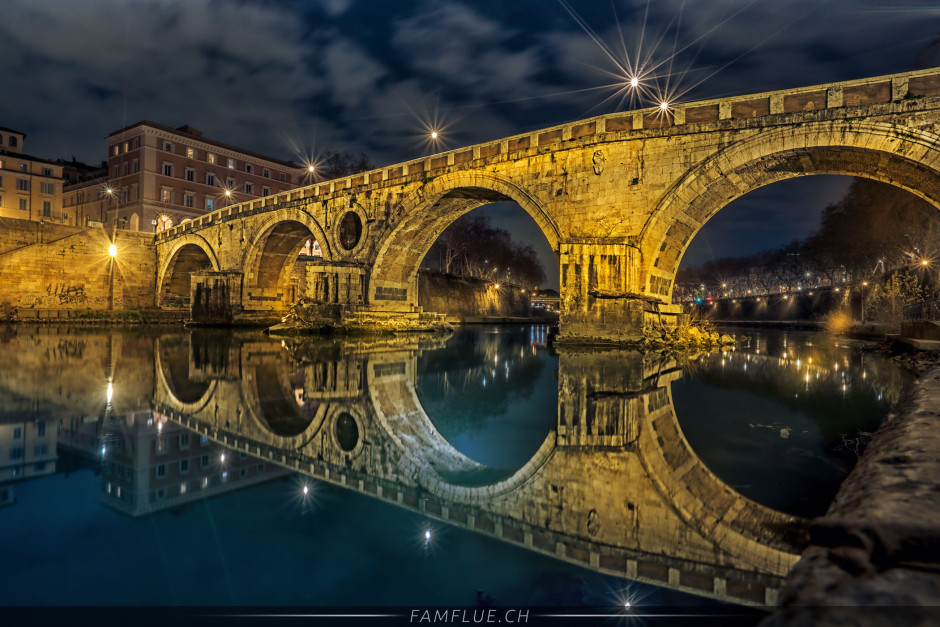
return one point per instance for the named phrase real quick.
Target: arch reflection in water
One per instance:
(614, 486)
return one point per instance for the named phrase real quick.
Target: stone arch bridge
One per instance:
(614, 486)
(618, 197)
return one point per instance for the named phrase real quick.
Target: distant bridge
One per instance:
(614, 486)
(618, 197)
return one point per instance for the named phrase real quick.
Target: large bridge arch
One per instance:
(427, 212)
(190, 253)
(271, 253)
(901, 156)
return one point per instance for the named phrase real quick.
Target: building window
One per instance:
(230, 184)
(205, 482)
(265, 191)
(190, 174)
(124, 169)
(266, 173)
(41, 429)
(210, 158)
(1, 178)
(17, 433)
(22, 185)
(189, 200)
(126, 146)
(40, 467)
(184, 466)
(204, 461)
(210, 204)
(160, 445)
(115, 150)
(115, 171)
(47, 171)
(16, 452)
(283, 177)
(1, 202)
(46, 209)
(40, 449)
(210, 179)
(249, 188)
(160, 471)
(167, 169)
(168, 146)
(12, 141)
(204, 440)
(135, 143)
(166, 195)
(248, 168)
(135, 166)
(184, 441)
(23, 204)
(183, 488)
(190, 153)
(46, 188)
(230, 163)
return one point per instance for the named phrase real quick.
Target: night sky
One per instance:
(294, 78)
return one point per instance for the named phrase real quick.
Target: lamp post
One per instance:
(112, 253)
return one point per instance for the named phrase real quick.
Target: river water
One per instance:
(168, 467)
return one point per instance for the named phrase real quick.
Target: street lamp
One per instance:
(112, 255)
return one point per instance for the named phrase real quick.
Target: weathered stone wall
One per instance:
(467, 297)
(878, 543)
(619, 197)
(76, 273)
(15, 233)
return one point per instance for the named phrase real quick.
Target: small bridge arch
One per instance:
(189, 254)
(271, 253)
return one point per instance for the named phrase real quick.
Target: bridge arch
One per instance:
(271, 253)
(172, 370)
(901, 156)
(427, 212)
(190, 253)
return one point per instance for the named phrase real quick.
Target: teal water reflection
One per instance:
(179, 467)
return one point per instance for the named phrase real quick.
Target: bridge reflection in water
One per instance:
(614, 486)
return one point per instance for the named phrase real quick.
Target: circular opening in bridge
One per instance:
(347, 432)
(350, 230)
(783, 417)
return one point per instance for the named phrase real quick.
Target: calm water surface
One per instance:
(147, 467)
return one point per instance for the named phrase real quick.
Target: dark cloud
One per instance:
(285, 77)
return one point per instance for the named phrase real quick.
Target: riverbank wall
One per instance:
(76, 274)
(874, 558)
(467, 298)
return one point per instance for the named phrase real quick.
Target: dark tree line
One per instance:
(874, 230)
(472, 247)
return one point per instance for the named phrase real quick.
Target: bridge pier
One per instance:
(602, 298)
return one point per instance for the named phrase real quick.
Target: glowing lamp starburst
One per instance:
(634, 82)
(664, 105)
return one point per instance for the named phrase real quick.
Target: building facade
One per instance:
(30, 188)
(159, 176)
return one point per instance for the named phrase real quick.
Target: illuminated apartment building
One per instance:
(30, 188)
(160, 176)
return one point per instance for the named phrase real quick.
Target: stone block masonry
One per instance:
(618, 197)
(76, 274)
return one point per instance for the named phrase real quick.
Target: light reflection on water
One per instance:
(774, 419)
